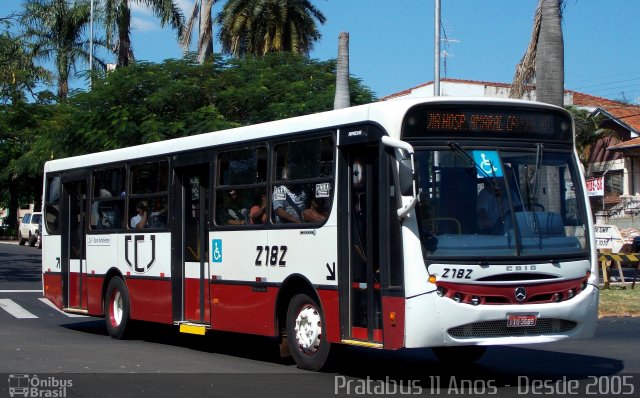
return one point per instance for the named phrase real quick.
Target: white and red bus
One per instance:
(447, 223)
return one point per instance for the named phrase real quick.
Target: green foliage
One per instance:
(18, 73)
(148, 102)
(57, 31)
(588, 131)
(259, 27)
(280, 85)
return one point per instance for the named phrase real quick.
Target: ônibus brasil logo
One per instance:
(24, 385)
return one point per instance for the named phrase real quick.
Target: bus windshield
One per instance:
(488, 203)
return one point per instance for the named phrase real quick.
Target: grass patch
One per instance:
(617, 301)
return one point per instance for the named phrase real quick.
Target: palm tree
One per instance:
(201, 11)
(118, 19)
(56, 29)
(259, 27)
(342, 99)
(19, 74)
(544, 58)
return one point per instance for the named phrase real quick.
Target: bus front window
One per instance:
(487, 203)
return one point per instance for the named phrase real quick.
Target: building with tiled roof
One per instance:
(616, 157)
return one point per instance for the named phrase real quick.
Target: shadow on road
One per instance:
(504, 365)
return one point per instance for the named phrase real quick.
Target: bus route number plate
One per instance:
(521, 321)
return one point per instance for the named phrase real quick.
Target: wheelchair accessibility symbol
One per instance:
(216, 250)
(488, 162)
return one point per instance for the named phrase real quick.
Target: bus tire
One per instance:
(116, 308)
(459, 354)
(306, 333)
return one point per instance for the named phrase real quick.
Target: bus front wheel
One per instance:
(306, 333)
(116, 308)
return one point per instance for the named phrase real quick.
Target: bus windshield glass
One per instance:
(487, 203)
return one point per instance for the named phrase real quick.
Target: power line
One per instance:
(616, 75)
(608, 83)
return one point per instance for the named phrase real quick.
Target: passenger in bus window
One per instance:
(139, 221)
(159, 214)
(258, 213)
(289, 201)
(233, 211)
(317, 211)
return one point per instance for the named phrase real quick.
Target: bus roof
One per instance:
(388, 114)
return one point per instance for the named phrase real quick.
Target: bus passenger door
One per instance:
(73, 253)
(190, 270)
(361, 306)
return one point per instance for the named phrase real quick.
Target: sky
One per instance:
(392, 41)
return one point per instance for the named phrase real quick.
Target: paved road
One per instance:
(37, 340)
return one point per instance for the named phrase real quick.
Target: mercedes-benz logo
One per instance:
(520, 294)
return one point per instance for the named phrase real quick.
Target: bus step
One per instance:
(362, 343)
(75, 310)
(193, 328)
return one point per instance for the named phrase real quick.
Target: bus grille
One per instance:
(500, 329)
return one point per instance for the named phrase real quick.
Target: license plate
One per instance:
(521, 321)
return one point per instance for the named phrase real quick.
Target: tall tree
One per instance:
(202, 13)
(259, 27)
(544, 58)
(56, 29)
(118, 21)
(342, 99)
(550, 55)
(19, 75)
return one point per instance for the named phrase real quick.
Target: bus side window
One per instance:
(148, 200)
(52, 204)
(107, 205)
(303, 181)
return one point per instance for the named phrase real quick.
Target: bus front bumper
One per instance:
(453, 323)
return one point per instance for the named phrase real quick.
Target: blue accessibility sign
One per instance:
(488, 162)
(216, 250)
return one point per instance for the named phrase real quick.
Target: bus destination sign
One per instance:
(486, 122)
(489, 122)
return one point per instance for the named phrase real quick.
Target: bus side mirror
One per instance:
(406, 177)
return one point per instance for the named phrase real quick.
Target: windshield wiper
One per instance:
(533, 199)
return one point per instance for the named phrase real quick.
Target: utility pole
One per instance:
(436, 69)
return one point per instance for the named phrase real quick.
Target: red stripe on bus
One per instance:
(53, 288)
(238, 308)
(393, 322)
(331, 307)
(150, 299)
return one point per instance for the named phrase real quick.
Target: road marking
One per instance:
(14, 309)
(20, 291)
(50, 304)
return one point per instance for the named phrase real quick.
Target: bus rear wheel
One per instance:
(116, 308)
(306, 333)
(459, 354)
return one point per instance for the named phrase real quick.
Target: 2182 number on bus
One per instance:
(273, 255)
